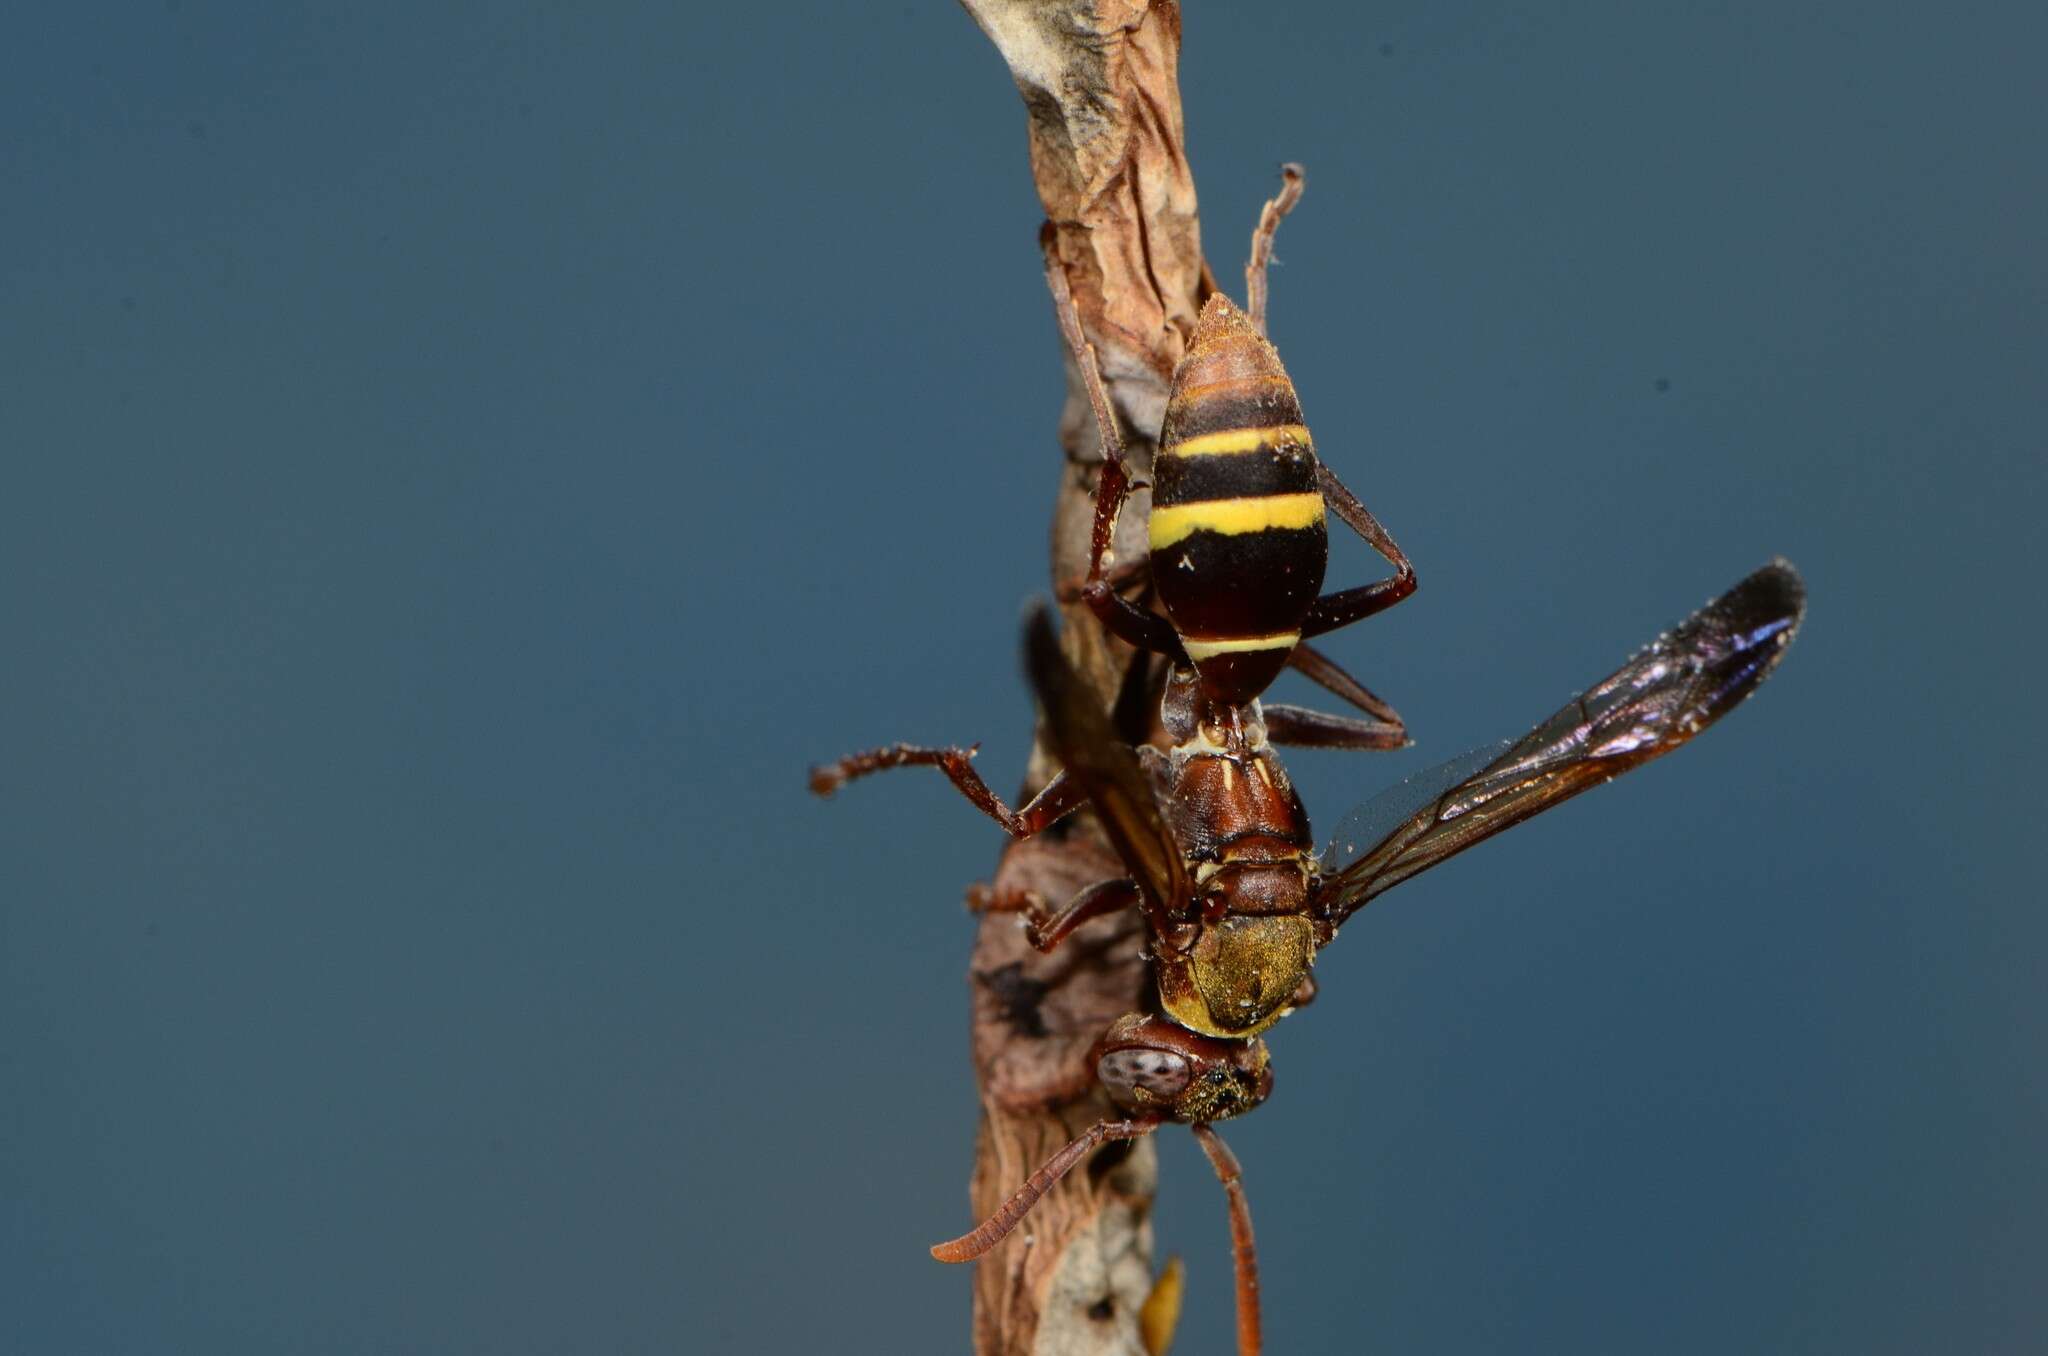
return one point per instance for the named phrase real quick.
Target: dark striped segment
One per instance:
(1286, 468)
(1266, 401)
(1261, 583)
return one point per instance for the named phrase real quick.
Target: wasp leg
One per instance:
(1242, 1251)
(1044, 928)
(1120, 577)
(1292, 181)
(1060, 797)
(984, 897)
(1303, 728)
(1327, 674)
(1334, 610)
(1103, 897)
(1124, 619)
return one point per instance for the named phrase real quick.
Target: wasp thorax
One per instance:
(1240, 976)
(1150, 1066)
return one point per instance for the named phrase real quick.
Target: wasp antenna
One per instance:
(997, 1227)
(1243, 1253)
(1292, 181)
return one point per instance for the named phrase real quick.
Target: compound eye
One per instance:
(1161, 1073)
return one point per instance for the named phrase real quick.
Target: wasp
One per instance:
(1158, 1072)
(1238, 549)
(1215, 843)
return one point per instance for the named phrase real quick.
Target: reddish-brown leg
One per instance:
(1045, 928)
(1060, 797)
(1242, 1251)
(1120, 577)
(1325, 673)
(1302, 728)
(1124, 619)
(983, 897)
(1103, 897)
(1333, 610)
(1292, 181)
(997, 1227)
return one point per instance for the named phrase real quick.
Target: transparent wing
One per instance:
(1677, 686)
(1365, 827)
(1079, 733)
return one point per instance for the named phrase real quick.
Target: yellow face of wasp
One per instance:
(1241, 975)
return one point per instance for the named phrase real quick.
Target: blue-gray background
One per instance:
(463, 460)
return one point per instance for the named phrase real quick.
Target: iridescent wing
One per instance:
(1079, 733)
(1677, 686)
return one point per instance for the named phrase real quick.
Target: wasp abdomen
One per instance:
(1238, 540)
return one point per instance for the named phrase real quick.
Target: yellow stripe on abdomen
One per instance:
(1209, 649)
(1234, 517)
(1232, 441)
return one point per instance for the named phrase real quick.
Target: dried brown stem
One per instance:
(1107, 152)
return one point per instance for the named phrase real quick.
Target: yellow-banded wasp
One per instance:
(1238, 551)
(1158, 1072)
(1214, 841)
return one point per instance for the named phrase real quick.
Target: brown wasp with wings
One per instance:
(1238, 544)
(1216, 845)
(1158, 1072)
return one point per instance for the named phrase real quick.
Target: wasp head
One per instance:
(1150, 1066)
